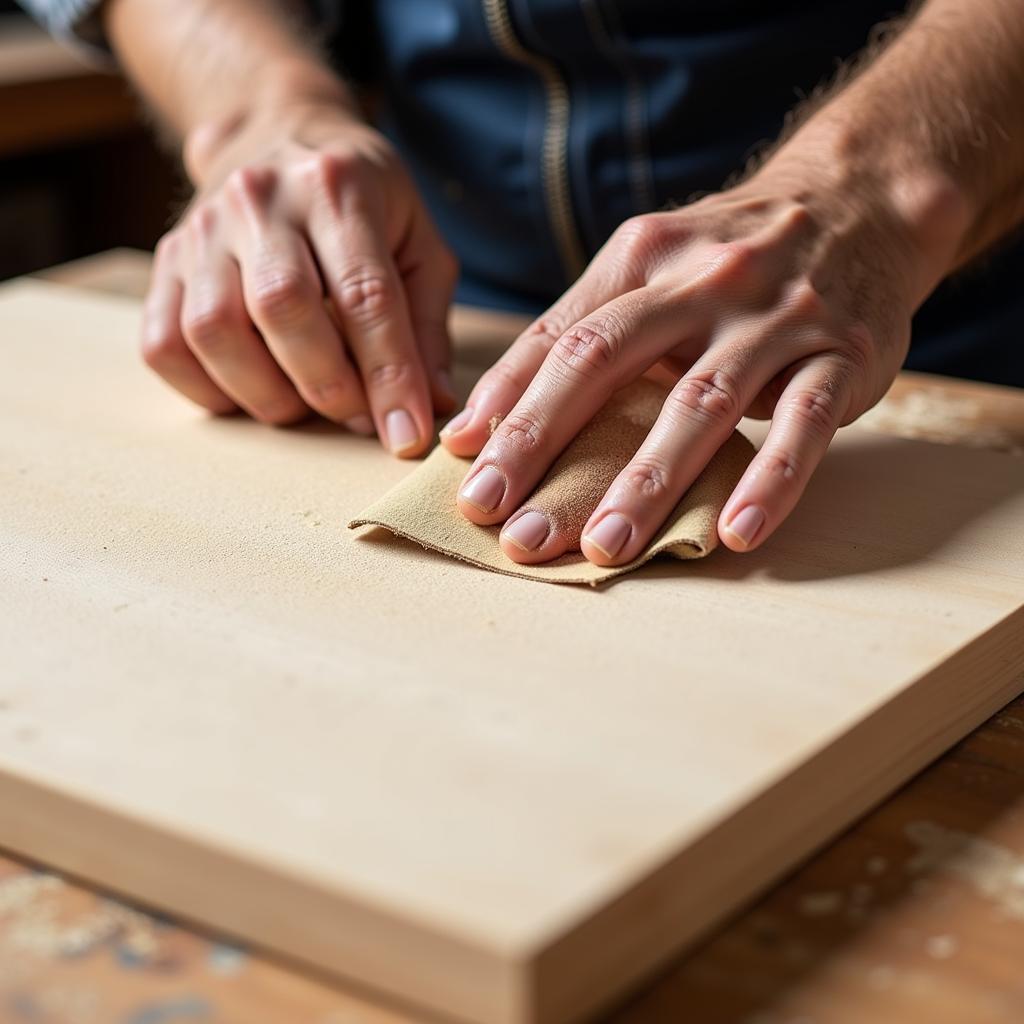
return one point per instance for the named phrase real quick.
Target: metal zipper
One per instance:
(555, 150)
(601, 27)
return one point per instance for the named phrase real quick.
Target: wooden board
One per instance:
(495, 799)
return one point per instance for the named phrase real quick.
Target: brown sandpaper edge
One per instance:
(421, 508)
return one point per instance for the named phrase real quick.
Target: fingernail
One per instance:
(528, 531)
(610, 534)
(454, 425)
(401, 430)
(360, 425)
(485, 490)
(745, 524)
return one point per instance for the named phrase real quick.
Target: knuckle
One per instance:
(533, 346)
(544, 331)
(504, 375)
(731, 263)
(279, 413)
(327, 171)
(517, 366)
(364, 295)
(778, 465)
(248, 186)
(168, 248)
(161, 346)
(712, 396)
(805, 302)
(589, 349)
(202, 221)
(282, 296)
(208, 327)
(860, 349)
(798, 217)
(648, 478)
(817, 408)
(521, 431)
(392, 374)
(330, 392)
(643, 238)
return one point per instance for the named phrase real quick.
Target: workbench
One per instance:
(49, 97)
(67, 130)
(916, 914)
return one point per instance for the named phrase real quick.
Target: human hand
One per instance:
(293, 207)
(767, 300)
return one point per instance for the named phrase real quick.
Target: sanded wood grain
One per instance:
(853, 934)
(929, 554)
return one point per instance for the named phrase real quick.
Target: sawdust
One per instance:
(876, 865)
(36, 926)
(882, 977)
(941, 947)
(994, 872)
(820, 904)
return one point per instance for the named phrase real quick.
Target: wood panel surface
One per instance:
(944, 549)
(852, 935)
(868, 930)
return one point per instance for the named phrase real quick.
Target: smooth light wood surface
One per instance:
(863, 932)
(853, 935)
(1008, 464)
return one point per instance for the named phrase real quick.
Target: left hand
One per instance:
(768, 300)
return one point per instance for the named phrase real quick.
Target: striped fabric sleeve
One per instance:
(78, 22)
(74, 21)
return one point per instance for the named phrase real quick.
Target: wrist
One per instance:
(914, 205)
(290, 98)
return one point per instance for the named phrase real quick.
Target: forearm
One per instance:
(207, 66)
(934, 127)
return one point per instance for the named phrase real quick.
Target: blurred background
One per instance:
(79, 170)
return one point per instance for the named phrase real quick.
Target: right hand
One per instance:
(290, 210)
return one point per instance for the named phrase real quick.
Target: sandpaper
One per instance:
(422, 506)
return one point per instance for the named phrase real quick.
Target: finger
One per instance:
(429, 273)
(364, 285)
(498, 390)
(806, 418)
(551, 520)
(528, 538)
(283, 294)
(698, 415)
(217, 328)
(584, 367)
(163, 345)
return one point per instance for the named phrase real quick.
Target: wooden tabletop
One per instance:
(914, 915)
